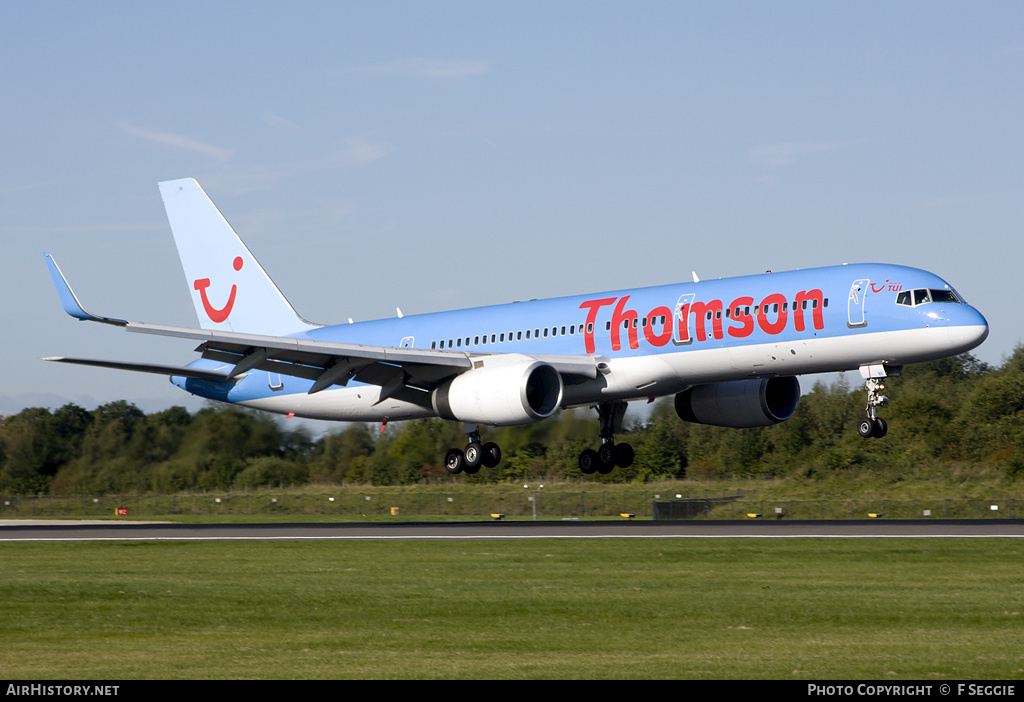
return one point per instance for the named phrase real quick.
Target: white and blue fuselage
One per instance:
(659, 340)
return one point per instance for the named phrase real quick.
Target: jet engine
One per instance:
(740, 403)
(502, 391)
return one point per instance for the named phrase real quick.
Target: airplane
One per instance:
(728, 350)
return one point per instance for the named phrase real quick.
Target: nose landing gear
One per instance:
(872, 427)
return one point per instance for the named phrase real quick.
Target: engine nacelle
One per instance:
(740, 403)
(504, 390)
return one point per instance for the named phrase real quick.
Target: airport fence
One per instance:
(510, 503)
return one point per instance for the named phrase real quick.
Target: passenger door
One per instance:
(855, 316)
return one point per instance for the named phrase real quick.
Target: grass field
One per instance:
(923, 609)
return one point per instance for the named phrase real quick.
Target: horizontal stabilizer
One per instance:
(180, 371)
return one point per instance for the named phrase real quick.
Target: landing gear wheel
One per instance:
(866, 427)
(492, 455)
(624, 455)
(588, 461)
(606, 458)
(881, 428)
(454, 461)
(473, 454)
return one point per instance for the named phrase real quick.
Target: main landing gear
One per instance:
(610, 454)
(872, 427)
(475, 455)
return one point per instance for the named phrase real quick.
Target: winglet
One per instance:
(69, 301)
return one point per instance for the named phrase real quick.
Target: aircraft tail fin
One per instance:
(229, 288)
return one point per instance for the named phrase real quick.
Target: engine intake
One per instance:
(740, 403)
(501, 393)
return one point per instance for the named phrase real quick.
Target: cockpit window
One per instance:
(912, 298)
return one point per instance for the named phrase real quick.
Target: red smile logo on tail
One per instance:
(212, 312)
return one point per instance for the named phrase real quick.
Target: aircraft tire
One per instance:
(588, 461)
(454, 461)
(492, 455)
(606, 458)
(881, 428)
(624, 455)
(472, 455)
(866, 427)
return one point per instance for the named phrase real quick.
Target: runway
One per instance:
(27, 530)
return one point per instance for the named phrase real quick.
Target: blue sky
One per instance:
(432, 155)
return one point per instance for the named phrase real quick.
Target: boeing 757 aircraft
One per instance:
(729, 350)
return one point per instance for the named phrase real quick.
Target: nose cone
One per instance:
(967, 328)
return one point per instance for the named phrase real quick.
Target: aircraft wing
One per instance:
(159, 369)
(334, 363)
(326, 363)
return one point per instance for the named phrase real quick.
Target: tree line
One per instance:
(953, 411)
